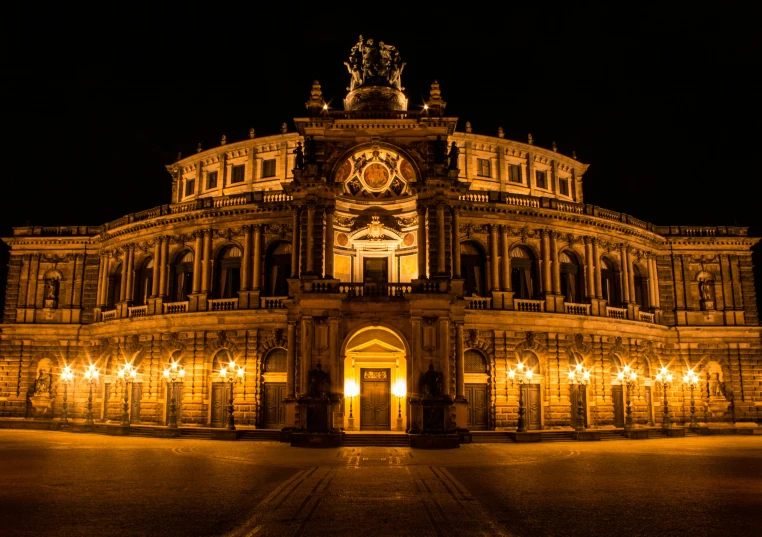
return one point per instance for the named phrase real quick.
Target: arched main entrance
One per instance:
(375, 364)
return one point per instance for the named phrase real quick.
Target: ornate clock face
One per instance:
(375, 174)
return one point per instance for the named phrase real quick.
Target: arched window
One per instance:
(114, 287)
(472, 263)
(143, 282)
(277, 269)
(275, 361)
(228, 273)
(610, 283)
(182, 277)
(571, 277)
(641, 288)
(474, 362)
(523, 273)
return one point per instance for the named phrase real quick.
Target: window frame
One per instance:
(234, 169)
(209, 175)
(519, 174)
(190, 187)
(483, 165)
(544, 175)
(266, 163)
(563, 186)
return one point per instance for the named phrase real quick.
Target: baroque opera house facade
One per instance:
(434, 280)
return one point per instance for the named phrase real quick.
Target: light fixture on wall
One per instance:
(66, 376)
(579, 376)
(665, 378)
(231, 374)
(691, 378)
(399, 390)
(522, 375)
(628, 377)
(91, 376)
(351, 390)
(127, 375)
(173, 374)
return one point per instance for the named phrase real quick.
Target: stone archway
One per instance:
(375, 365)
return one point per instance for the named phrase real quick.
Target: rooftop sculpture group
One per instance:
(374, 65)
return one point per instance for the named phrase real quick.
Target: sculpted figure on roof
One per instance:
(372, 64)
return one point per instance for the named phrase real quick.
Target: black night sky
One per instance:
(662, 100)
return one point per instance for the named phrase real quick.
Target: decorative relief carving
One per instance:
(374, 375)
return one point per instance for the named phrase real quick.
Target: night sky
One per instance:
(661, 100)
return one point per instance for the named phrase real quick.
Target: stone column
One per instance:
(130, 272)
(206, 267)
(442, 242)
(545, 255)
(413, 383)
(329, 242)
(197, 255)
(164, 267)
(506, 259)
(554, 264)
(653, 282)
(337, 379)
(597, 261)
(291, 359)
(444, 355)
(101, 276)
(123, 282)
(246, 260)
(422, 249)
(625, 276)
(456, 269)
(460, 382)
(630, 273)
(589, 268)
(256, 265)
(156, 264)
(310, 239)
(295, 213)
(306, 362)
(493, 254)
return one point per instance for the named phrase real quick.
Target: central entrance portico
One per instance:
(375, 360)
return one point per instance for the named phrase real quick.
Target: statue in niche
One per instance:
(716, 386)
(318, 383)
(51, 293)
(431, 383)
(299, 157)
(43, 382)
(705, 290)
(453, 156)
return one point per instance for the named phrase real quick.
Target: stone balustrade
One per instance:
(525, 304)
(223, 304)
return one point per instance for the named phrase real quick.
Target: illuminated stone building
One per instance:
(378, 242)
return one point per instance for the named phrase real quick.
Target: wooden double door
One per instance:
(220, 398)
(478, 411)
(375, 400)
(273, 408)
(532, 406)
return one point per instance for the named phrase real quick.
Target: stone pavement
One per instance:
(64, 484)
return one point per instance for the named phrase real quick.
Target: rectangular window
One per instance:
(483, 167)
(268, 168)
(211, 180)
(238, 174)
(563, 186)
(515, 170)
(190, 186)
(541, 179)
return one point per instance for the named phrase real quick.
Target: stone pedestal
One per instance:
(41, 406)
(587, 435)
(225, 434)
(637, 434)
(432, 424)
(674, 432)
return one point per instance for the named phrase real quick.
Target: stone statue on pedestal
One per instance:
(431, 384)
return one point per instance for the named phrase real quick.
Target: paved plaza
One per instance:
(67, 484)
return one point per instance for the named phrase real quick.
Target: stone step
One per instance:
(490, 437)
(397, 440)
(263, 435)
